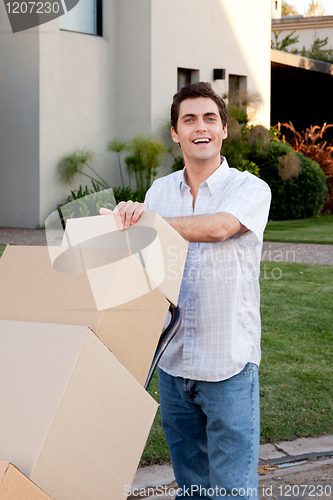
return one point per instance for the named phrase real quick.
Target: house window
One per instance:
(85, 17)
(185, 76)
(238, 91)
(237, 84)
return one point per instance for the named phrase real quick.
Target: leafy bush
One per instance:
(317, 52)
(313, 145)
(302, 193)
(126, 194)
(178, 163)
(285, 42)
(297, 183)
(142, 162)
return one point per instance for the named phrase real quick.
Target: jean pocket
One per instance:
(247, 370)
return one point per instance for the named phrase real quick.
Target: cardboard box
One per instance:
(151, 250)
(33, 290)
(74, 415)
(16, 486)
(73, 419)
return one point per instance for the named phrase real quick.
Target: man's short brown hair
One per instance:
(193, 91)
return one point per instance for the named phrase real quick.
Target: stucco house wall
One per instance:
(187, 34)
(19, 125)
(307, 29)
(77, 104)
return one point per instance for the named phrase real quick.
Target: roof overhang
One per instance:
(280, 58)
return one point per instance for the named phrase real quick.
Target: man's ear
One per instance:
(174, 135)
(225, 132)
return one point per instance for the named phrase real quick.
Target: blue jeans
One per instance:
(213, 430)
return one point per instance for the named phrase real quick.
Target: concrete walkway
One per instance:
(306, 463)
(17, 236)
(272, 251)
(297, 252)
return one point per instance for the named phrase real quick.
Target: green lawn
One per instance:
(317, 229)
(2, 247)
(296, 372)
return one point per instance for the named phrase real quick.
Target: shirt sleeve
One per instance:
(249, 203)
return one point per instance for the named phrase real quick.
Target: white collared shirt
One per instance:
(219, 296)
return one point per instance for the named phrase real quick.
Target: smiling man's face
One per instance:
(199, 130)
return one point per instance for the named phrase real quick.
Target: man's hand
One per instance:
(126, 213)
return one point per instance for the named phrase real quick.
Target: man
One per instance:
(208, 375)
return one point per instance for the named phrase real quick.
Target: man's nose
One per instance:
(201, 124)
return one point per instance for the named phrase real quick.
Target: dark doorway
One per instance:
(301, 96)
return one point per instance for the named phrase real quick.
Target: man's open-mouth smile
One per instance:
(202, 140)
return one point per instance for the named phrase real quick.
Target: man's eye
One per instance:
(211, 118)
(189, 120)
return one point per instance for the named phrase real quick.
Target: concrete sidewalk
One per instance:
(272, 251)
(299, 469)
(297, 252)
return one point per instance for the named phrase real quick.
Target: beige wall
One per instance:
(58, 95)
(187, 34)
(133, 68)
(307, 28)
(19, 125)
(77, 105)
(276, 6)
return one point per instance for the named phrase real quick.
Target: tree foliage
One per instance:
(288, 10)
(285, 42)
(317, 52)
(315, 9)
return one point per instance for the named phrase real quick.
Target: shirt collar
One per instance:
(213, 182)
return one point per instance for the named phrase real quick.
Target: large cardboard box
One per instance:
(33, 290)
(16, 486)
(151, 250)
(72, 418)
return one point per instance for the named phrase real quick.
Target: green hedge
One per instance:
(299, 197)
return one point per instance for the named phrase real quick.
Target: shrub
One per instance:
(301, 194)
(298, 184)
(126, 194)
(144, 159)
(313, 145)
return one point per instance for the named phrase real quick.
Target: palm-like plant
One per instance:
(72, 165)
(118, 147)
(145, 156)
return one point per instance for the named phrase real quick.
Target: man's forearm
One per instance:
(208, 228)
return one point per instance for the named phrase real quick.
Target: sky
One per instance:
(302, 5)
